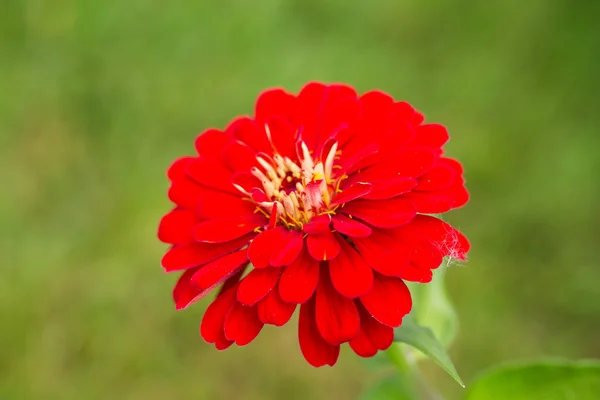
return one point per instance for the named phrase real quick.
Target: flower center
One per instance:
(293, 193)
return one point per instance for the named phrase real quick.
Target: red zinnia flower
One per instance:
(324, 197)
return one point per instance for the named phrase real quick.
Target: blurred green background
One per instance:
(98, 97)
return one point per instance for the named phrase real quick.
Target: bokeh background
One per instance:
(98, 97)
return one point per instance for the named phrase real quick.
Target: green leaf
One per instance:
(390, 388)
(553, 380)
(423, 339)
(432, 307)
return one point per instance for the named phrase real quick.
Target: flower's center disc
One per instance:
(296, 191)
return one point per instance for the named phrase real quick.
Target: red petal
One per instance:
(274, 311)
(461, 196)
(350, 274)
(265, 245)
(176, 226)
(414, 161)
(337, 316)
(274, 102)
(439, 177)
(178, 168)
(307, 113)
(397, 135)
(247, 131)
(257, 284)
(382, 213)
(242, 324)
(283, 136)
(184, 294)
(317, 224)
(258, 195)
(299, 280)
(350, 162)
(417, 119)
(223, 343)
(211, 328)
(413, 273)
(216, 272)
(377, 108)
(245, 181)
(226, 229)
(431, 135)
(376, 105)
(188, 297)
(211, 173)
(240, 157)
(388, 301)
(424, 254)
(352, 192)
(322, 109)
(442, 200)
(272, 218)
(402, 111)
(314, 349)
(452, 163)
(430, 202)
(193, 254)
(386, 255)
(185, 192)
(183, 282)
(323, 246)
(381, 336)
(289, 250)
(350, 227)
(386, 189)
(233, 280)
(340, 110)
(443, 236)
(328, 146)
(210, 143)
(362, 346)
(410, 162)
(214, 204)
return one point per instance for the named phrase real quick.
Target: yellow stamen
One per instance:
(339, 182)
(304, 216)
(262, 211)
(300, 202)
(294, 220)
(286, 223)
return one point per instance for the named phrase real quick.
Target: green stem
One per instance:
(407, 369)
(406, 364)
(398, 357)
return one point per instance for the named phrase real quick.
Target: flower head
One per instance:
(320, 200)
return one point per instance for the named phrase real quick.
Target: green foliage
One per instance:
(423, 339)
(433, 309)
(539, 381)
